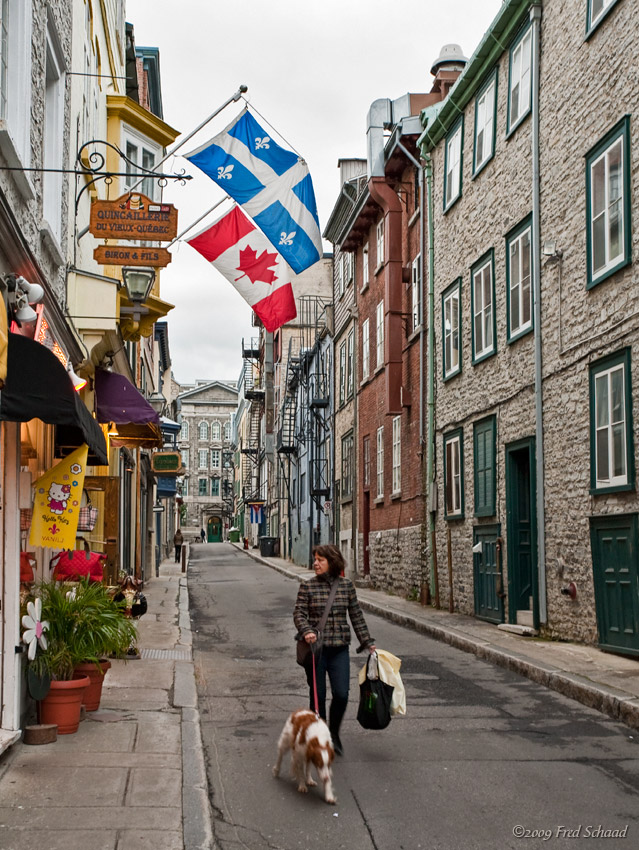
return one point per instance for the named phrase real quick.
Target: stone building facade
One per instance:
(534, 171)
(206, 413)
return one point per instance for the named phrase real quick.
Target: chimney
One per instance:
(447, 68)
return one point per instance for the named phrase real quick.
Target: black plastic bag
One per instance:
(374, 702)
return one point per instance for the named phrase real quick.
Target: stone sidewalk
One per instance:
(133, 776)
(601, 680)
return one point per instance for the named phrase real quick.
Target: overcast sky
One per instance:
(312, 70)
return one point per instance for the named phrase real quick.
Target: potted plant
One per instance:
(67, 625)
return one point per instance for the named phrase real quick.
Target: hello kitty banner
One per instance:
(56, 506)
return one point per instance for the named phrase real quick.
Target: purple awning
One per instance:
(118, 401)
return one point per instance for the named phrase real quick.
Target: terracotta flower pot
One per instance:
(63, 703)
(93, 692)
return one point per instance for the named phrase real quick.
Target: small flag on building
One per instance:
(56, 506)
(272, 184)
(241, 252)
(257, 512)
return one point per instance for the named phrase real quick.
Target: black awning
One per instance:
(39, 387)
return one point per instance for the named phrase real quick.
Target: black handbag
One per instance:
(305, 651)
(374, 702)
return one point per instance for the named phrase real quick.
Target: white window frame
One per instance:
(184, 453)
(517, 281)
(451, 330)
(216, 431)
(53, 136)
(340, 277)
(144, 148)
(612, 210)
(347, 268)
(454, 479)
(15, 98)
(606, 426)
(366, 344)
(350, 365)
(202, 458)
(184, 430)
(380, 463)
(216, 458)
(342, 372)
(185, 486)
(453, 167)
(483, 310)
(203, 432)
(485, 106)
(227, 429)
(520, 79)
(594, 18)
(365, 271)
(379, 241)
(397, 454)
(416, 291)
(379, 330)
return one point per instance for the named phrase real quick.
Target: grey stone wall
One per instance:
(396, 560)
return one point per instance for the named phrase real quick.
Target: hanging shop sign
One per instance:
(133, 216)
(131, 255)
(166, 462)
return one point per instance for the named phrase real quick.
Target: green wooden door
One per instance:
(214, 529)
(521, 530)
(614, 561)
(487, 574)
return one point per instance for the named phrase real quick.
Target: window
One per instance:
(340, 277)
(347, 269)
(519, 88)
(215, 458)
(349, 363)
(380, 462)
(53, 136)
(203, 487)
(215, 486)
(342, 372)
(485, 124)
(302, 488)
(611, 441)
(184, 430)
(216, 431)
(397, 454)
(15, 82)
(451, 329)
(484, 436)
(366, 345)
(379, 233)
(203, 459)
(453, 165)
(416, 291)
(347, 466)
(141, 155)
(608, 236)
(203, 431)
(482, 296)
(227, 431)
(453, 475)
(597, 11)
(185, 487)
(518, 269)
(365, 266)
(366, 462)
(379, 349)
(185, 458)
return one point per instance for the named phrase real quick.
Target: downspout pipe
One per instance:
(535, 17)
(430, 432)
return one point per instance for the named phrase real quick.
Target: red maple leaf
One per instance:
(257, 268)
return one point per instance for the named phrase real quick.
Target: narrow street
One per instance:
(483, 758)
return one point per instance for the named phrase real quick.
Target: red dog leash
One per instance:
(315, 684)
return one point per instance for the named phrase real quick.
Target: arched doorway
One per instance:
(214, 530)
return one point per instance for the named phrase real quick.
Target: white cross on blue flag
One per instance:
(272, 184)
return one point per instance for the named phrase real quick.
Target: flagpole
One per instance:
(198, 220)
(238, 94)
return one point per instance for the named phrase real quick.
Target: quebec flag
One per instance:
(272, 184)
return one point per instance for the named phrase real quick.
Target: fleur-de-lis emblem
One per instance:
(287, 238)
(262, 143)
(53, 529)
(225, 173)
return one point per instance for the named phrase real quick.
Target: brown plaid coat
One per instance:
(310, 604)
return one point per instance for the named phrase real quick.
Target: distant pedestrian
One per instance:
(203, 535)
(178, 540)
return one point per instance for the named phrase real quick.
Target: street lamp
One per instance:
(138, 281)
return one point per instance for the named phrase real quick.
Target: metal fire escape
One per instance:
(254, 392)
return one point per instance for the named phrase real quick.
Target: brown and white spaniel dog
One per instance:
(309, 740)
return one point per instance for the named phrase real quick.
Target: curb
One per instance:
(197, 830)
(616, 704)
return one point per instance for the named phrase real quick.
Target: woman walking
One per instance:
(312, 597)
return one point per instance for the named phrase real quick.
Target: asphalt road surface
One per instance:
(482, 759)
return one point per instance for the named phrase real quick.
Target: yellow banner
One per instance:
(56, 505)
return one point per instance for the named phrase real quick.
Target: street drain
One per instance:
(167, 654)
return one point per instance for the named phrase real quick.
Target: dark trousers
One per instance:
(335, 662)
(178, 551)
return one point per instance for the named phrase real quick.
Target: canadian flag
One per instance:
(241, 252)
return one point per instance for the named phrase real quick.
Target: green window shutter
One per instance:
(484, 462)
